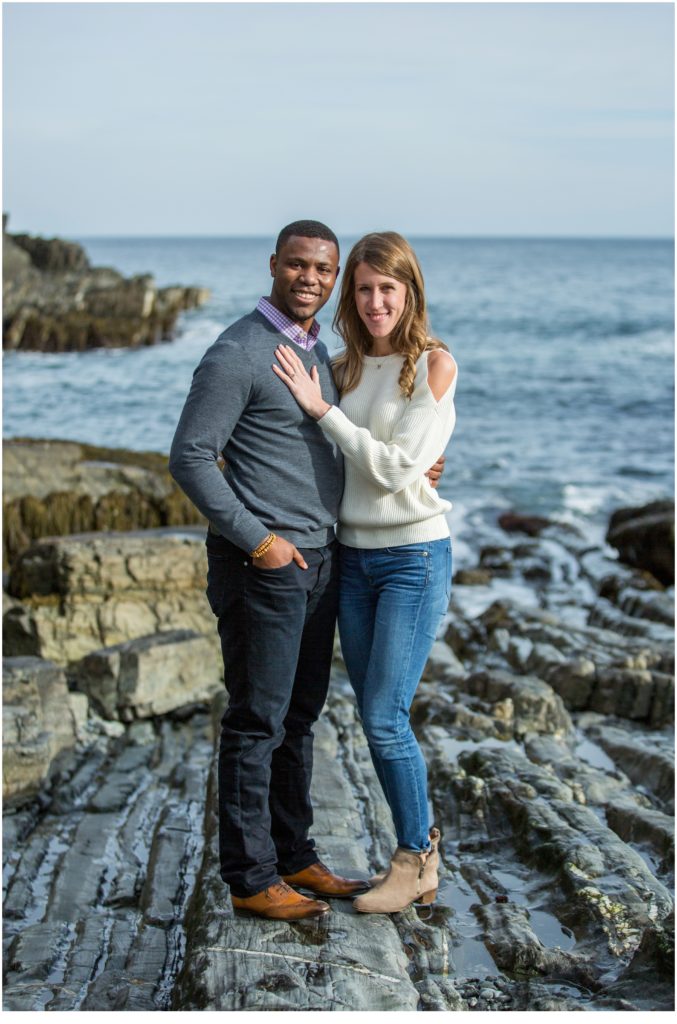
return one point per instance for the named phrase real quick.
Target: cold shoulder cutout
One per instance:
(441, 372)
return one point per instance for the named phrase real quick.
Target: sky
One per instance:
(432, 118)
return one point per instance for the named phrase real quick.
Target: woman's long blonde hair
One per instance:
(391, 255)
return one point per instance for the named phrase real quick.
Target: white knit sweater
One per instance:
(389, 442)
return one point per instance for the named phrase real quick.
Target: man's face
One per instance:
(304, 273)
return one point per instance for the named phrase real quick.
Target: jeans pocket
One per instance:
(410, 550)
(275, 570)
(408, 569)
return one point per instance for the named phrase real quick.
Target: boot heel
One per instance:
(427, 897)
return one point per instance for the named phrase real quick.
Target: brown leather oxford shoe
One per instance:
(281, 903)
(319, 879)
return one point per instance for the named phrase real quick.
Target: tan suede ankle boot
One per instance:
(429, 879)
(411, 878)
(379, 876)
(433, 863)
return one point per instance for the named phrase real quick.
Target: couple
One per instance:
(290, 423)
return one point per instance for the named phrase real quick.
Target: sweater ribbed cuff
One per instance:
(337, 424)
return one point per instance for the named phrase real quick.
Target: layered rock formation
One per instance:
(76, 594)
(99, 879)
(40, 719)
(545, 716)
(54, 301)
(51, 488)
(150, 676)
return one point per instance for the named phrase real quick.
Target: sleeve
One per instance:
(421, 435)
(218, 395)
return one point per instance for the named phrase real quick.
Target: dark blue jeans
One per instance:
(391, 604)
(277, 635)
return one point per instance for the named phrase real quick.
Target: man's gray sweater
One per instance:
(282, 473)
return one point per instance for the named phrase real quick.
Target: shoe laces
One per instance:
(279, 889)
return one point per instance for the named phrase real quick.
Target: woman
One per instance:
(396, 414)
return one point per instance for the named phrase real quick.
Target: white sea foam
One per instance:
(583, 499)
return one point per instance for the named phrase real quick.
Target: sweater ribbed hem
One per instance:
(393, 536)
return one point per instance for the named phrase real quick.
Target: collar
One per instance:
(287, 326)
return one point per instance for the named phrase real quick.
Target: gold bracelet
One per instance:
(263, 546)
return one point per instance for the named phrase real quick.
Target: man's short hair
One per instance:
(305, 229)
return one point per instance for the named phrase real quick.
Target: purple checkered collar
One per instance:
(289, 327)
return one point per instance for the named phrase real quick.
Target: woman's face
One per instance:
(380, 300)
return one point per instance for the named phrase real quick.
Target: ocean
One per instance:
(565, 397)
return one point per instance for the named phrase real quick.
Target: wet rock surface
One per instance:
(54, 301)
(548, 739)
(235, 961)
(97, 877)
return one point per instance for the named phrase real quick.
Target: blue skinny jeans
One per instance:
(391, 603)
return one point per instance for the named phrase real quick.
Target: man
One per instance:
(272, 577)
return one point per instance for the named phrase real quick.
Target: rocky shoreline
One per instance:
(52, 488)
(55, 301)
(546, 723)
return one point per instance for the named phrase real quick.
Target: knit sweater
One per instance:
(389, 442)
(282, 472)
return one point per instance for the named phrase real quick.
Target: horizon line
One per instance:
(427, 237)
